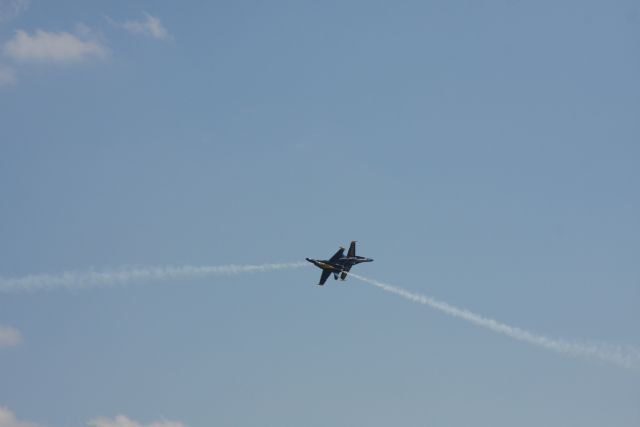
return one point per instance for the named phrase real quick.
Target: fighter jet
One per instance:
(338, 264)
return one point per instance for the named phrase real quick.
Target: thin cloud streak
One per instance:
(624, 357)
(7, 76)
(10, 9)
(75, 280)
(151, 27)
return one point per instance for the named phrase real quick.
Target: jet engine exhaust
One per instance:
(627, 357)
(75, 280)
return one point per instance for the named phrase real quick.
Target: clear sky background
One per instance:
(484, 153)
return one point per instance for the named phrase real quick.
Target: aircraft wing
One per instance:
(344, 272)
(325, 275)
(337, 255)
(352, 250)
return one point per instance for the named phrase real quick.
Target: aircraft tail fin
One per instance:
(338, 254)
(352, 250)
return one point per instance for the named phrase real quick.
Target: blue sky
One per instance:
(483, 153)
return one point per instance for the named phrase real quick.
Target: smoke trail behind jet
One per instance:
(625, 357)
(73, 280)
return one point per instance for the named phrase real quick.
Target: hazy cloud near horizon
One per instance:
(124, 421)
(8, 419)
(9, 337)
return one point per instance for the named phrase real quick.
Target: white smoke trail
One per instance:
(625, 357)
(72, 280)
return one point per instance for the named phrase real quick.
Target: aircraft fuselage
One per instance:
(338, 264)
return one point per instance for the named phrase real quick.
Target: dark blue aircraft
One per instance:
(338, 264)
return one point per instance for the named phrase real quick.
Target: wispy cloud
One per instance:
(9, 337)
(61, 47)
(9, 9)
(7, 76)
(124, 421)
(150, 27)
(8, 419)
